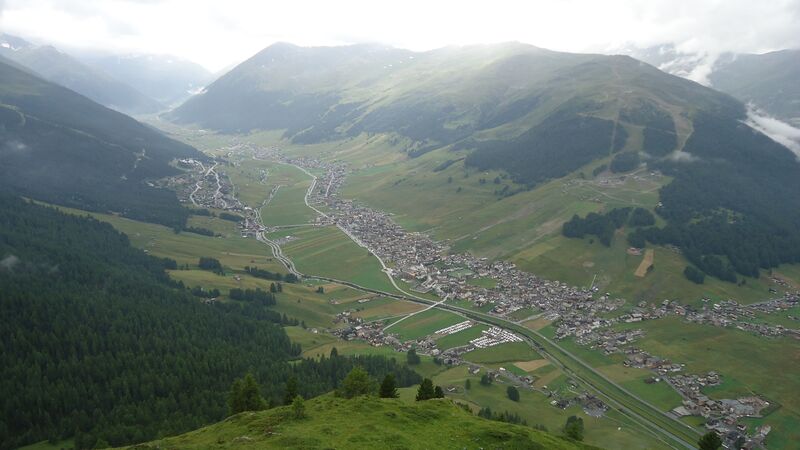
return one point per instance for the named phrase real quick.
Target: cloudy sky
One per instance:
(217, 34)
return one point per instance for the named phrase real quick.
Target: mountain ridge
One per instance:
(61, 147)
(48, 62)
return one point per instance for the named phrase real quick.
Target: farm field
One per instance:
(532, 365)
(383, 308)
(461, 338)
(287, 206)
(327, 251)
(502, 353)
(248, 180)
(425, 323)
(303, 302)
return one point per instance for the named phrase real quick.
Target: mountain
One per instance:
(365, 423)
(61, 147)
(537, 115)
(168, 79)
(433, 98)
(769, 81)
(58, 67)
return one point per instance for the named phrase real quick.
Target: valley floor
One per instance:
(329, 309)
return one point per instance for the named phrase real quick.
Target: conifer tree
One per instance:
(388, 387)
(438, 392)
(291, 390)
(426, 391)
(245, 395)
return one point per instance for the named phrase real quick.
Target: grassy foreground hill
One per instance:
(364, 422)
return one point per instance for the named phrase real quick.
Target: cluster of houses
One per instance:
(609, 340)
(203, 185)
(730, 313)
(724, 415)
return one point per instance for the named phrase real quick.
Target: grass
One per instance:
(524, 228)
(577, 261)
(535, 408)
(424, 324)
(486, 282)
(303, 302)
(524, 313)
(508, 352)
(248, 180)
(327, 251)
(364, 422)
(355, 347)
(287, 206)
(748, 364)
(308, 340)
(233, 251)
(383, 307)
(461, 338)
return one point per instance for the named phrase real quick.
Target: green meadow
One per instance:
(327, 251)
(425, 323)
(461, 338)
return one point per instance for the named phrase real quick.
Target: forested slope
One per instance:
(98, 344)
(61, 147)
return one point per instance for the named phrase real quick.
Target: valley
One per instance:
(460, 243)
(324, 243)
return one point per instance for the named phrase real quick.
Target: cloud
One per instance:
(9, 262)
(778, 131)
(681, 156)
(216, 34)
(696, 67)
(13, 146)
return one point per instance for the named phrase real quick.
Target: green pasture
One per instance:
(425, 323)
(327, 251)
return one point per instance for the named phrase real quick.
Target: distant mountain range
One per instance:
(771, 81)
(134, 84)
(58, 67)
(61, 147)
(539, 115)
(167, 79)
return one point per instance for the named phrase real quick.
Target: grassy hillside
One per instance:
(61, 147)
(365, 423)
(526, 227)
